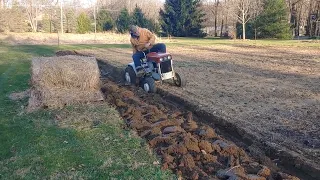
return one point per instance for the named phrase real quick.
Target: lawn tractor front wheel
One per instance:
(179, 81)
(148, 84)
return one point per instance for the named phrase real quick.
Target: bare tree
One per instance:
(216, 16)
(33, 8)
(243, 14)
(31, 13)
(313, 24)
(3, 3)
(213, 9)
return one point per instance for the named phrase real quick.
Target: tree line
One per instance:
(280, 19)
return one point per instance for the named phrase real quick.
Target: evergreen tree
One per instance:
(123, 21)
(182, 18)
(83, 23)
(153, 26)
(45, 23)
(70, 21)
(273, 21)
(104, 21)
(138, 18)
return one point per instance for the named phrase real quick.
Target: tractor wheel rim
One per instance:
(146, 87)
(128, 79)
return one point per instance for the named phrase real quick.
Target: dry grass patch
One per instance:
(86, 117)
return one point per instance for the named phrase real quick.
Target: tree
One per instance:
(104, 21)
(32, 8)
(244, 11)
(273, 22)
(216, 17)
(138, 18)
(50, 20)
(244, 16)
(70, 20)
(313, 27)
(153, 26)
(295, 16)
(123, 21)
(46, 24)
(13, 19)
(83, 23)
(182, 18)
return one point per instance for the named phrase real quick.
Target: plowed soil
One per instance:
(190, 149)
(268, 97)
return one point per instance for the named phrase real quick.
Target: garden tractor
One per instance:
(156, 67)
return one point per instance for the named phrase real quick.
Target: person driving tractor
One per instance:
(143, 42)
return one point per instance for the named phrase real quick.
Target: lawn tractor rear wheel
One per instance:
(178, 81)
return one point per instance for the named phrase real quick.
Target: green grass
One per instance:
(58, 144)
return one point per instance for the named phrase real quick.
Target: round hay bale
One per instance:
(64, 80)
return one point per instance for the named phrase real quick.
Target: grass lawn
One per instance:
(78, 142)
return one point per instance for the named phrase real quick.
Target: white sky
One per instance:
(87, 3)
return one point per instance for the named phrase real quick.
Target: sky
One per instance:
(88, 3)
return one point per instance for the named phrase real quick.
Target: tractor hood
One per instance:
(156, 56)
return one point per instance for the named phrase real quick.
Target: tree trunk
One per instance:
(299, 20)
(293, 18)
(243, 26)
(36, 20)
(243, 31)
(50, 26)
(61, 17)
(317, 29)
(309, 24)
(30, 17)
(221, 34)
(226, 24)
(216, 18)
(215, 26)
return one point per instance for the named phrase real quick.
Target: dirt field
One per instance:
(271, 93)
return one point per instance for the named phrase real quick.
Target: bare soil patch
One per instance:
(272, 93)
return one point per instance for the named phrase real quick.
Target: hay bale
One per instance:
(64, 80)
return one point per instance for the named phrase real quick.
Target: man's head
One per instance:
(134, 31)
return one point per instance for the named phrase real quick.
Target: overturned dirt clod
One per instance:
(187, 148)
(206, 146)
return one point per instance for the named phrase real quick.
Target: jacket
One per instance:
(145, 37)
